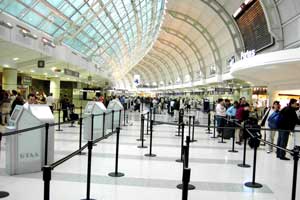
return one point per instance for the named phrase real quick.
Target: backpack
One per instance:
(274, 120)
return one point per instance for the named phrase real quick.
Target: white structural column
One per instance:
(9, 79)
(55, 87)
(273, 95)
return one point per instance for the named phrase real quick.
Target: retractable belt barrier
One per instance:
(256, 140)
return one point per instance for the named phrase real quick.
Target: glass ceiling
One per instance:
(114, 32)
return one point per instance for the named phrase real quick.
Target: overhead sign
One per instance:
(71, 73)
(247, 54)
(26, 80)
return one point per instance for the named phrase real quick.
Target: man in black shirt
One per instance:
(287, 123)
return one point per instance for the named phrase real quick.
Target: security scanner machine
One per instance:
(25, 152)
(116, 106)
(95, 108)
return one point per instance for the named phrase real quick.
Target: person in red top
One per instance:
(242, 114)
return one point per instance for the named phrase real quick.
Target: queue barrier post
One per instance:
(150, 154)
(182, 138)
(46, 178)
(116, 173)
(208, 123)
(254, 184)
(214, 133)
(80, 137)
(148, 120)
(142, 132)
(295, 154)
(103, 125)
(46, 143)
(232, 150)
(59, 129)
(185, 182)
(112, 120)
(222, 132)
(193, 130)
(244, 165)
(89, 166)
(120, 114)
(142, 128)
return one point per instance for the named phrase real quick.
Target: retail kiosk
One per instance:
(114, 105)
(95, 108)
(25, 152)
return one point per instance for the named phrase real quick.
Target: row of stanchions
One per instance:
(185, 186)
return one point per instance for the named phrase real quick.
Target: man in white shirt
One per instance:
(220, 115)
(50, 101)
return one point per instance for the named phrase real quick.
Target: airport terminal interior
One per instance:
(149, 99)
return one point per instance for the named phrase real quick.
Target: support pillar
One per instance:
(9, 79)
(55, 88)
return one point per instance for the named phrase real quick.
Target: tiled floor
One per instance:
(213, 170)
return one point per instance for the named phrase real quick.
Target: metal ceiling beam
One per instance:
(228, 22)
(166, 67)
(203, 31)
(181, 53)
(163, 75)
(172, 59)
(191, 45)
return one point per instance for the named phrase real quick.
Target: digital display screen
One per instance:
(254, 29)
(15, 115)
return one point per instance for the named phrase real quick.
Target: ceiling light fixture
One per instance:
(6, 65)
(15, 59)
(26, 33)
(48, 42)
(6, 24)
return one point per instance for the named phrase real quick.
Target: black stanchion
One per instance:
(59, 129)
(186, 150)
(80, 136)
(232, 150)
(112, 120)
(124, 118)
(214, 135)
(180, 120)
(89, 166)
(150, 154)
(92, 128)
(120, 114)
(295, 155)
(2, 193)
(142, 128)
(222, 135)
(208, 123)
(190, 121)
(148, 120)
(193, 131)
(185, 182)
(244, 165)
(182, 138)
(154, 111)
(46, 178)
(254, 184)
(103, 125)
(142, 132)
(116, 173)
(46, 143)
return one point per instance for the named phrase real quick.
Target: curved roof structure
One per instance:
(195, 41)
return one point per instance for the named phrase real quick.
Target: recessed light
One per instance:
(15, 59)
(45, 74)
(56, 75)
(53, 68)
(32, 71)
(6, 65)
